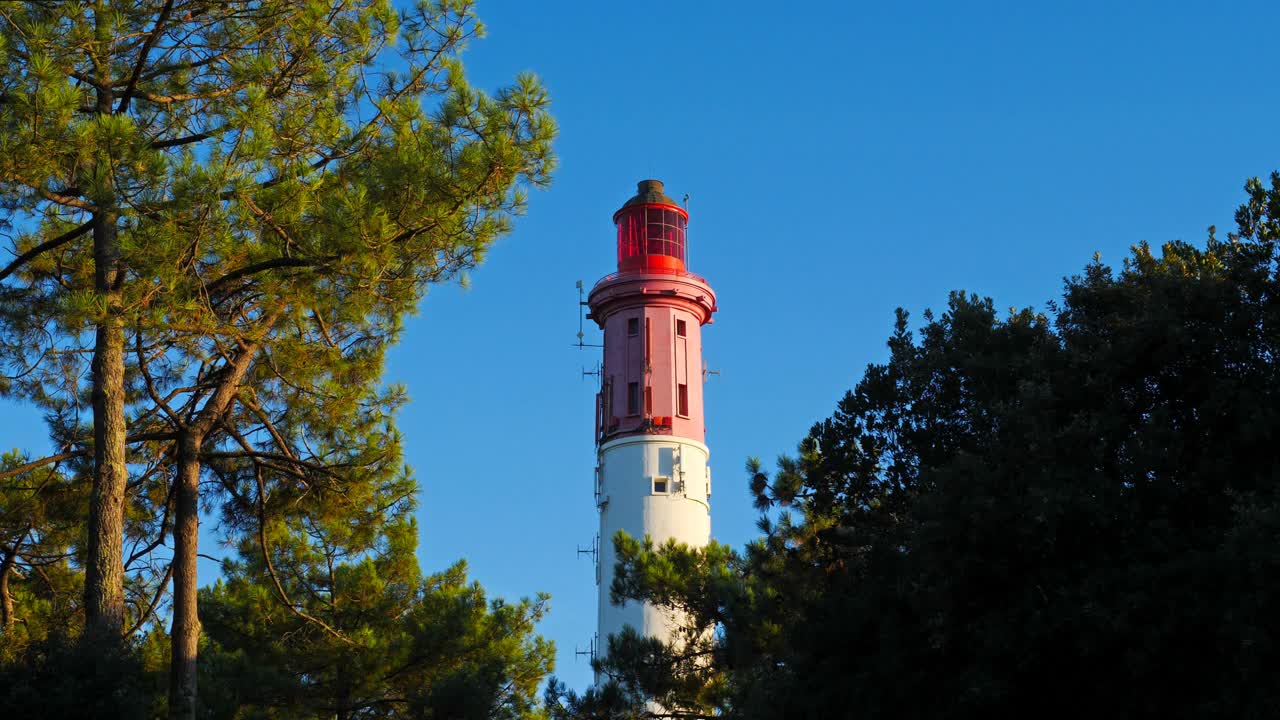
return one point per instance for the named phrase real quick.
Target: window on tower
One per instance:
(633, 326)
(633, 398)
(660, 485)
(681, 329)
(682, 400)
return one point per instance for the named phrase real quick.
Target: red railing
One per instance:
(678, 273)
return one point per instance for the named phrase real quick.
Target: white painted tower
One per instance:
(652, 476)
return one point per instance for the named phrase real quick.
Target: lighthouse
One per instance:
(652, 477)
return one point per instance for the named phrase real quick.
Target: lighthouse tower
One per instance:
(652, 476)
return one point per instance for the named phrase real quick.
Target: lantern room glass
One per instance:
(647, 231)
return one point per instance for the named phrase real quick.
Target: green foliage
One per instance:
(1074, 511)
(638, 671)
(291, 173)
(48, 666)
(378, 640)
(59, 677)
(40, 526)
(219, 214)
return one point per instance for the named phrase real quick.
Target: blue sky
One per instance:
(842, 159)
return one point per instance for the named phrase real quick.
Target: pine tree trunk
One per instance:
(104, 571)
(184, 636)
(6, 600)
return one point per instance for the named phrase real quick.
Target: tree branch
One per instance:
(127, 95)
(41, 463)
(141, 437)
(184, 140)
(271, 570)
(155, 600)
(258, 454)
(44, 247)
(164, 522)
(272, 264)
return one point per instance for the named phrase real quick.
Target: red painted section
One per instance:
(652, 312)
(651, 237)
(650, 263)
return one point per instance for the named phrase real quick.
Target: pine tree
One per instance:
(368, 636)
(218, 194)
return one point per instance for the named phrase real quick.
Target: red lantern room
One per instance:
(651, 232)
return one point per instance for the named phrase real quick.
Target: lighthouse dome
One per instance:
(649, 192)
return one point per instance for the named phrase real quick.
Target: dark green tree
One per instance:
(1074, 512)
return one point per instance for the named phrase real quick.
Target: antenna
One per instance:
(581, 304)
(707, 373)
(597, 373)
(686, 244)
(593, 551)
(591, 648)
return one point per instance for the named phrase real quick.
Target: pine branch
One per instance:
(41, 463)
(149, 383)
(186, 97)
(55, 197)
(270, 426)
(129, 88)
(142, 437)
(263, 455)
(264, 546)
(164, 522)
(155, 600)
(187, 139)
(283, 262)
